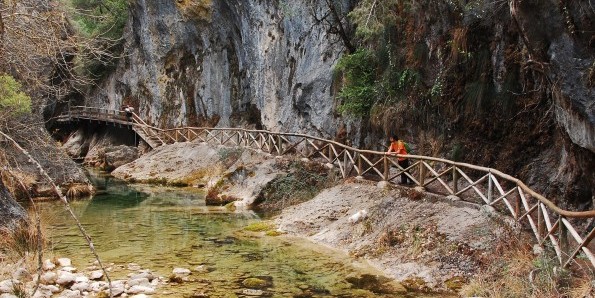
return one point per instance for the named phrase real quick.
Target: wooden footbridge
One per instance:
(569, 233)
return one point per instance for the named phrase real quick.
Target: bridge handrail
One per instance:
(354, 158)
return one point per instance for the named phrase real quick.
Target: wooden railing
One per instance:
(568, 232)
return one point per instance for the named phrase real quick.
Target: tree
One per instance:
(44, 51)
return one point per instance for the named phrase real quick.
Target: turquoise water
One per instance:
(162, 228)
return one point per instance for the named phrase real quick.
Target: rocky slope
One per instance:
(416, 238)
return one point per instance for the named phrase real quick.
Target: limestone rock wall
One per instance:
(227, 63)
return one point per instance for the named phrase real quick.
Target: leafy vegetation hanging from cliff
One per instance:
(358, 94)
(101, 22)
(12, 99)
(105, 18)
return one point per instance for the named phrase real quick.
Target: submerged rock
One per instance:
(181, 271)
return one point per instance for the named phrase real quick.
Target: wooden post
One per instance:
(563, 237)
(271, 143)
(540, 222)
(422, 173)
(517, 206)
(455, 179)
(330, 153)
(345, 161)
(279, 145)
(386, 168)
(359, 164)
(490, 187)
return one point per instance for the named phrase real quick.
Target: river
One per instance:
(160, 228)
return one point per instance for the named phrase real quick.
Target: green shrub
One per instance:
(12, 99)
(358, 93)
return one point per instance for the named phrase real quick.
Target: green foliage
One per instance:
(104, 18)
(358, 94)
(102, 22)
(372, 16)
(12, 99)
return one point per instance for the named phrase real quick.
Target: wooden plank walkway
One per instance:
(485, 186)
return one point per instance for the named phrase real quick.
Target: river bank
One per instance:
(422, 240)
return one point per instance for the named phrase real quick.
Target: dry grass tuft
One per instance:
(21, 242)
(79, 190)
(515, 271)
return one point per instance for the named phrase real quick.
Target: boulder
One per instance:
(65, 278)
(139, 282)
(99, 286)
(64, 262)
(48, 265)
(96, 275)
(49, 278)
(81, 286)
(117, 156)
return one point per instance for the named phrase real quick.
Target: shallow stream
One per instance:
(160, 229)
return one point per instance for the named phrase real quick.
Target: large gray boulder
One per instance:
(11, 213)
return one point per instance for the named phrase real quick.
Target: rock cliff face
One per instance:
(261, 63)
(269, 64)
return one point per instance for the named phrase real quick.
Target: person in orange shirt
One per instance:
(398, 147)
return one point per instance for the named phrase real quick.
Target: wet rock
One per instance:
(201, 269)
(49, 278)
(48, 265)
(252, 292)
(69, 269)
(96, 275)
(65, 278)
(139, 282)
(64, 262)
(376, 284)
(99, 286)
(147, 274)
(181, 271)
(133, 267)
(257, 283)
(140, 290)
